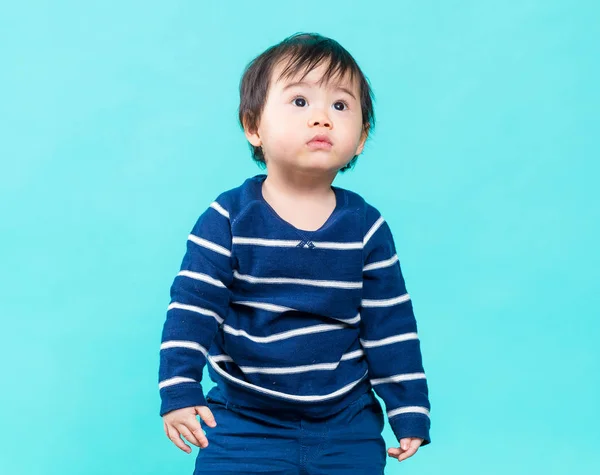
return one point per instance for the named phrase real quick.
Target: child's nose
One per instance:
(319, 117)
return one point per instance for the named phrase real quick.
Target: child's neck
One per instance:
(301, 186)
(300, 200)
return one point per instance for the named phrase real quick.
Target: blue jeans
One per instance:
(248, 442)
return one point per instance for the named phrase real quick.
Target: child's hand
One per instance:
(408, 447)
(183, 422)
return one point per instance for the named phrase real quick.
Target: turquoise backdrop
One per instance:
(118, 127)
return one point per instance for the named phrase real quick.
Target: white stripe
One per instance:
(380, 264)
(312, 398)
(175, 380)
(192, 308)
(219, 358)
(290, 369)
(350, 321)
(209, 245)
(264, 306)
(389, 340)
(374, 228)
(192, 345)
(398, 377)
(289, 280)
(303, 368)
(279, 308)
(265, 242)
(293, 243)
(386, 302)
(338, 245)
(282, 335)
(220, 209)
(407, 409)
(352, 355)
(203, 277)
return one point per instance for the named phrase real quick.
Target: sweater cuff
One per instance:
(411, 425)
(180, 396)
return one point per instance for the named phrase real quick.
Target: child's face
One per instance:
(296, 112)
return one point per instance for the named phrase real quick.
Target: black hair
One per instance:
(303, 51)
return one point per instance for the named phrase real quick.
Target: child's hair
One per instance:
(303, 52)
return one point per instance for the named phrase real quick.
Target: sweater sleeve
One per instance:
(199, 304)
(389, 335)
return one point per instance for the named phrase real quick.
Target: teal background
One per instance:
(118, 127)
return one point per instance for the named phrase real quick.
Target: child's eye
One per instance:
(299, 101)
(340, 105)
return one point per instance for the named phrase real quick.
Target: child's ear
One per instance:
(363, 139)
(251, 132)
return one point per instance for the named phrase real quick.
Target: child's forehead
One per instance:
(322, 74)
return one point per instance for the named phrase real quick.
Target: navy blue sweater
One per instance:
(293, 319)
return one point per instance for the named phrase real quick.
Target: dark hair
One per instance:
(303, 51)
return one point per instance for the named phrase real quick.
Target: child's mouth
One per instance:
(319, 143)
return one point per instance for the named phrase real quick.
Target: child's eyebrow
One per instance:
(303, 83)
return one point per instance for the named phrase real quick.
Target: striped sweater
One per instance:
(292, 319)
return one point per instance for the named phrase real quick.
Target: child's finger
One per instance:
(173, 435)
(394, 452)
(185, 432)
(404, 444)
(196, 429)
(408, 453)
(200, 436)
(206, 415)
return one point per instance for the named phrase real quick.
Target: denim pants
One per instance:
(248, 441)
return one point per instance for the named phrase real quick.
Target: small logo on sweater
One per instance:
(308, 244)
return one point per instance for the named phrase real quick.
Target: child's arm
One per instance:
(199, 303)
(389, 336)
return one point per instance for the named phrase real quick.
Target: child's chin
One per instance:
(320, 157)
(320, 164)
